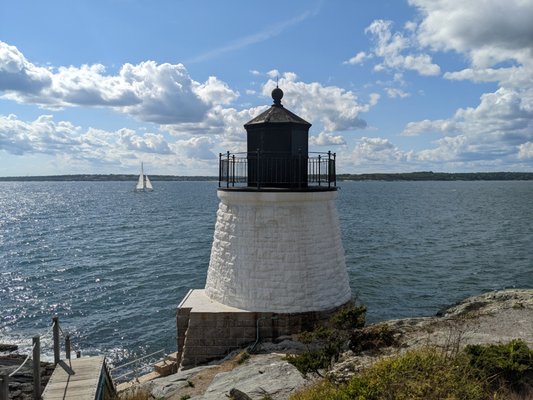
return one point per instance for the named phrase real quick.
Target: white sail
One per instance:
(148, 184)
(143, 184)
(140, 183)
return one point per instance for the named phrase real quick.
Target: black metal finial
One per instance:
(277, 95)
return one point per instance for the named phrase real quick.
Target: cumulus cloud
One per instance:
(225, 125)
(525, 151)
(396, 93)
(161, 93)
(198, 147)
(376, 154)
(327, 139)
(148, 143)
(44, 135)
(17, 74)
(488, 31)
(500, 126)
(358, 58)
(497, 39)
(398, 51)
(335, 108)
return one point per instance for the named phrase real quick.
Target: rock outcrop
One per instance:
(21, 383)
(489, 318)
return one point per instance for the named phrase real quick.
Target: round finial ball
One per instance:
(277, 95)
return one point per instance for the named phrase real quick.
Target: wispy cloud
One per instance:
(266, 34)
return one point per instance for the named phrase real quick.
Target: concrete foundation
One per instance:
(209, 330)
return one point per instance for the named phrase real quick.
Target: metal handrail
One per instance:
(35, 355)
(259, 169)
(137, 359)
(136, 362)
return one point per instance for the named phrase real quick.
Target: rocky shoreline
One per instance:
(21, 384)
(494, 317)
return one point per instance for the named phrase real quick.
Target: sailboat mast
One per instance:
(142, 174)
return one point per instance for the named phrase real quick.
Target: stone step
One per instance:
(166, 367)
(174, 356)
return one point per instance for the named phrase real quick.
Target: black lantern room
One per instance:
(277, 156)
(277, 147)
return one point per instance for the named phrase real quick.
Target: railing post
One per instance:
(300, 168)
(67, 346)
(319, 160)
(4, 387)
(36, 368)
(329, 168)
(233, 170)
(57, 358)
(335, 169)
(257, 170)
(227, 170)
(219, 168)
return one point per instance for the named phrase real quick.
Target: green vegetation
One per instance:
(421, 374)
(242, 357)
(325, 344)
(479, 372)
(508, 364)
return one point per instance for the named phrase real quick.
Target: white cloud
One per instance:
(335, 108)
(199, 148)
(274, 73)
(374, 98)
(488, 31)
(375, 154)
(17, 74)
(395, 93)
(391, 48)
(46, 136)
(148, 143)
(497, 128)
(525, 151)
(214, 91)
(161, 93)
(430, 126)
(497, 39)
(327, 139)
(358, 58)
(274, 29)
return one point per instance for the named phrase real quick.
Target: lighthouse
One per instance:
(277, 263)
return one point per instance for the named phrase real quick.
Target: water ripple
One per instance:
(114, 264)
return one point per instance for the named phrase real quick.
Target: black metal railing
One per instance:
(277, 170)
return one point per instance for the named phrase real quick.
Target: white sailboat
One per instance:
(143, 184)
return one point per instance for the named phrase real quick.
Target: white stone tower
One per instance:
(277, 254)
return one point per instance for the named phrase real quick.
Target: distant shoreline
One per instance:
(407, 176)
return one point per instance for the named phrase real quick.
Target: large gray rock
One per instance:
(261, 375)
(169, 385)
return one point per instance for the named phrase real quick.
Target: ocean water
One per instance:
(114, 264)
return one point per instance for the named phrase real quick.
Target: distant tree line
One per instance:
(440, 176)
(105, 177)
(407, 176)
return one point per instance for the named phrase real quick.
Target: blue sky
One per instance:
(390, 86)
